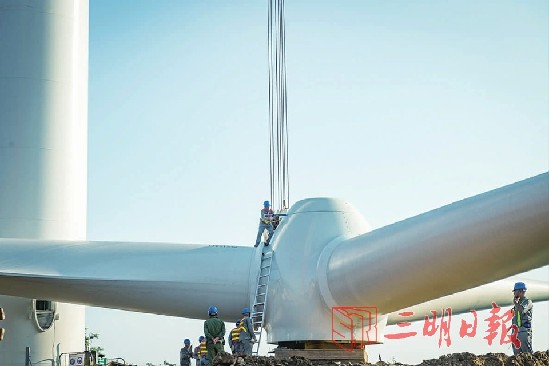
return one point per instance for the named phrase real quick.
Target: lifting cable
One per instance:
(278, 127)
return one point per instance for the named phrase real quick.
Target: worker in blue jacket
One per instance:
(247, 335)
(186, 353)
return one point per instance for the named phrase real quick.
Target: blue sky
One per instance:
(399, 107)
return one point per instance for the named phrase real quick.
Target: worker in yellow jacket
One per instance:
(203, 352)
(234, 338)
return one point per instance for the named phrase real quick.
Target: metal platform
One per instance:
(336, 354)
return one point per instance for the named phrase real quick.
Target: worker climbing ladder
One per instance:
(260, 301)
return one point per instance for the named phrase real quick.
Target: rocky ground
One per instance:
(455, 359)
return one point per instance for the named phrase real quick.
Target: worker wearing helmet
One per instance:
(214, 330)
(234, 338)
(186, 353)
(522, 318)
(247, 335)
(203, 351)
(265, 223)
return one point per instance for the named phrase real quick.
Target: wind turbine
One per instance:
(324, 257)
(340, 262)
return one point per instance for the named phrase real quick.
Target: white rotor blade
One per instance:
(472, 242)
(169, 279)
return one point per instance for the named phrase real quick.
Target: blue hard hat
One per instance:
(238, 322)
(245, 311)
(212, 310)
(201, 338)
(187, 341)
(266, 204)
(519, 286)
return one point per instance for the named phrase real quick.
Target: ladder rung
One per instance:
(264, 276)
(269, 266)
(259, 303)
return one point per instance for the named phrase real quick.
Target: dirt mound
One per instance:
(490, 359)
(455, 359)
(271, 361)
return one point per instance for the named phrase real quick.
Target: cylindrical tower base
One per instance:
(43, 163)
(27, 327)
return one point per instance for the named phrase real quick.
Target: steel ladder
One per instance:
(260, 301)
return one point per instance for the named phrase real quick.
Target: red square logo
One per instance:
(354, 326)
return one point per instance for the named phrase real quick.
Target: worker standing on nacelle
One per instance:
(265, 223)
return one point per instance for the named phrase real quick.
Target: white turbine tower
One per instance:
(43, 163)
